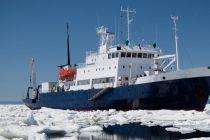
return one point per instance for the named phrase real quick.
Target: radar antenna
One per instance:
(128, 11)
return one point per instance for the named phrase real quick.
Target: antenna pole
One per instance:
(68, 53)
(128, 11)
(175, 18)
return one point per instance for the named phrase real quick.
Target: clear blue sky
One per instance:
(37, 29)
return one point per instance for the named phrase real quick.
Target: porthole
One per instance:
(164, 77)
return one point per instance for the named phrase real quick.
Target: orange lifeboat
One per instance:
(67, 74)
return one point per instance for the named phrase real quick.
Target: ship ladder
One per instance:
(99, 94)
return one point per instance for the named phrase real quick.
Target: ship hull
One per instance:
(177, 94)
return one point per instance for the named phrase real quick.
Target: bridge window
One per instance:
(144, 55)
(122, 54)
(113, 55)
(149, 55)
(128, 54)
(139, 55)
(134, 55)
(116, 55)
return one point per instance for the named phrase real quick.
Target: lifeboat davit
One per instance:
(67, 74)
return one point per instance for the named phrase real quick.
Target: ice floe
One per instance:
(19, 122)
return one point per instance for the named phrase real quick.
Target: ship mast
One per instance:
(128, 11)
(175, 18)
(33, 78)
(68, 53)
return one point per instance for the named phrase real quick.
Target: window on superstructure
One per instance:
(128, 54)
(134, 55)
(123, 67)
(149, 55)
(83, 82)
(152, 55)
(109, 56)
(117, 54)
(123, 54)
(139, 55)
(144, 55)
(113, 55)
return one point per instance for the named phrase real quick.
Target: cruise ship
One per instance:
(123, 76)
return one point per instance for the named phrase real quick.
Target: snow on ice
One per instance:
(18, 122)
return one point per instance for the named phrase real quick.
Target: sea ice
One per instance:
(91, 129)
(17, 121)
(30, 119)
(36, 136)
(3, 138)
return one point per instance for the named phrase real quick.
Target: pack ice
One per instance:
(19, 122)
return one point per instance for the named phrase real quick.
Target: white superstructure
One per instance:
(115, 65)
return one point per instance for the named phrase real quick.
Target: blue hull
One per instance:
(185, 94)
